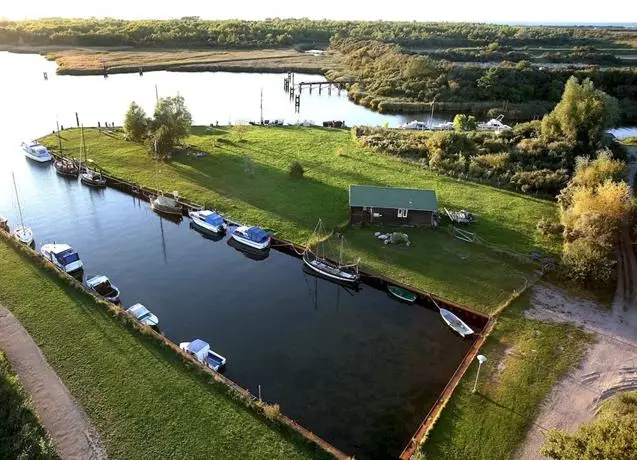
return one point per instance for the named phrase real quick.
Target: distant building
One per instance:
(391, 206)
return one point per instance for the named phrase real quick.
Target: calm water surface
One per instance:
(358, 368)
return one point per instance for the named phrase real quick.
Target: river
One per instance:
(360, 369)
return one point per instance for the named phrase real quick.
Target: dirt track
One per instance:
(73, 435)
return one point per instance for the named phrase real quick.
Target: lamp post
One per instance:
(481, 360)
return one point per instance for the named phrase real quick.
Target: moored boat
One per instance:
(62, 256)
(208, 220)
(200, 350)
(67, 168)
(143, 315)
(329, 269)
(455, 323)
(23, 233)
(103, 287)
(36, 152)
(255, 237)
(402, 294)
(166, 205)
(93, 179)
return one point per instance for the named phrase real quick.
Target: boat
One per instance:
(414, 125)
(93, 179)
(402, 294)
(36, 152)
(143, 315)
(200, 350)
(67, 168)
(255, 237)
(103, 287)
(208, 220)
(166, 205)
(446, 126)
(453, 321)
(212, 236)
(62, 256)
(328, 268)
(22, 233)
(247, 251)
(495, 124)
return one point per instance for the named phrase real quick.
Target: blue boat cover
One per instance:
(197, 345)
(257, 234)
(67, 257)
(214, 219)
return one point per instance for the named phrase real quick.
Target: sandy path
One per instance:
(610, 364)
(70, 429)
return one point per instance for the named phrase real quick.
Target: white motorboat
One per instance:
(208, 220)
(62, 256)
(201, 351)
(36, 152)
(255, 237)
(103, 287)
(23, 233)
(446, 126)
(495, 124)
(143, 315)
(414, 125)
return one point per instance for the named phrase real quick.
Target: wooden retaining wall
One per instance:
(481, 323)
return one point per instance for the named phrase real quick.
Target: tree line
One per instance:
(194, 32)
(390, 78)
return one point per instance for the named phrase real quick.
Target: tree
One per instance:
(582, 116)
(462, 122)
(611, 435)
(172, 115)
(136, 123)
(160, 142)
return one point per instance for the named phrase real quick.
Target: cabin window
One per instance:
(402, 212)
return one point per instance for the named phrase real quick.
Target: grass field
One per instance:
(474, 275)
(145, 403)
(90, 61)
(21, 435)
(526, 358)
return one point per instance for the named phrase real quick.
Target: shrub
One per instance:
(271, 411)
(546, 226)
(296, 170)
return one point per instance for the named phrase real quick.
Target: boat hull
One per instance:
(248, 242)
(24, 235)
(405, 296)
(455, 323)
(202, 224)
(90, 182)
(343, 277)
(166, 210)
(38, 158)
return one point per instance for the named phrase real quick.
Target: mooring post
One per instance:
(259, 393)
(46, 76)
(77, 119)
(320, 88)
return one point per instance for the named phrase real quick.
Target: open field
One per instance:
(474, 275)
(21, 434)
(141, 397)
(526, 359)
(91, 61)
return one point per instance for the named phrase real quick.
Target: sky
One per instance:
(537, 11)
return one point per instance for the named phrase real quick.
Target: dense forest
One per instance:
(388, 79)
(194, 32)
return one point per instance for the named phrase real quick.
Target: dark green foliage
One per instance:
(548, 227)
(21, 436)
(611, 435)
(296, 170)
(462, 122)
(172, 115)
(136, 123)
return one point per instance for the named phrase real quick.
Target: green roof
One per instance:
(391, 197)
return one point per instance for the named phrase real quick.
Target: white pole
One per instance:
(481, 359)
(259, 393)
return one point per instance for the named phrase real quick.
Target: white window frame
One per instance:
(403, 212)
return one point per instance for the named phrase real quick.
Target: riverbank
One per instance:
(133, 389)
(93, 61)
(245, 176)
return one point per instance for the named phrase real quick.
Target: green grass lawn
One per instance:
(526, 359)
(21, 435)
(271, 198)
(144, 401)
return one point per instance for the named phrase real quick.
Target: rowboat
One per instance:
(402, 294)
(455, 323)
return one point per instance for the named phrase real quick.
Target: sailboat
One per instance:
(64, 166)
(90, 177)
(453, 321)
(23, 233)
(328, 268)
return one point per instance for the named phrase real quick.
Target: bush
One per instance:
(296, 170)
(546, 227)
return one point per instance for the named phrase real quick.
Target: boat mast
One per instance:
(83, 148)
(59, 137)
(15, 187)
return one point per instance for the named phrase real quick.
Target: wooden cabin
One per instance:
(391, 206)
